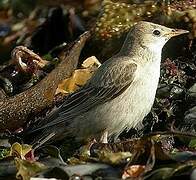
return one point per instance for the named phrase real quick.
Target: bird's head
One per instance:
(154, 36)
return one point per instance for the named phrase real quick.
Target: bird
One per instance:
(119, 94)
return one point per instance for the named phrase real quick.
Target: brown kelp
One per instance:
(14, 111)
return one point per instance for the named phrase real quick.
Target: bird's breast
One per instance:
(135, 103)
(142, 91)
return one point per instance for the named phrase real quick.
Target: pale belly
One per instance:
(125, 111)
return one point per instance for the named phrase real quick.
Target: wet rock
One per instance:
(191, 95)
(176, 92)
(4, 30)
(57, 29)
(163, 91)
(82, 171)
(190, 115)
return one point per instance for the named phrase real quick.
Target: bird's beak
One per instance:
(175, 32)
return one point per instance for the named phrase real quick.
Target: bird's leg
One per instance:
(104, 137)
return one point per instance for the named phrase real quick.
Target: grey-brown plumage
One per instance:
(119, 95)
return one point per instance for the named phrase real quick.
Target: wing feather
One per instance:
(105, 85)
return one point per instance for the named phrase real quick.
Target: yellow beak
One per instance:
(176, 32)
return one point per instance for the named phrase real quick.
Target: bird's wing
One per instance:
(103, 86)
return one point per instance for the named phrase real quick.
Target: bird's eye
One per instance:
(156, 32)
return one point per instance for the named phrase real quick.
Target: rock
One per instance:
(190, 116)
(191, 95)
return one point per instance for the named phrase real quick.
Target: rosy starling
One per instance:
(118, 96)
